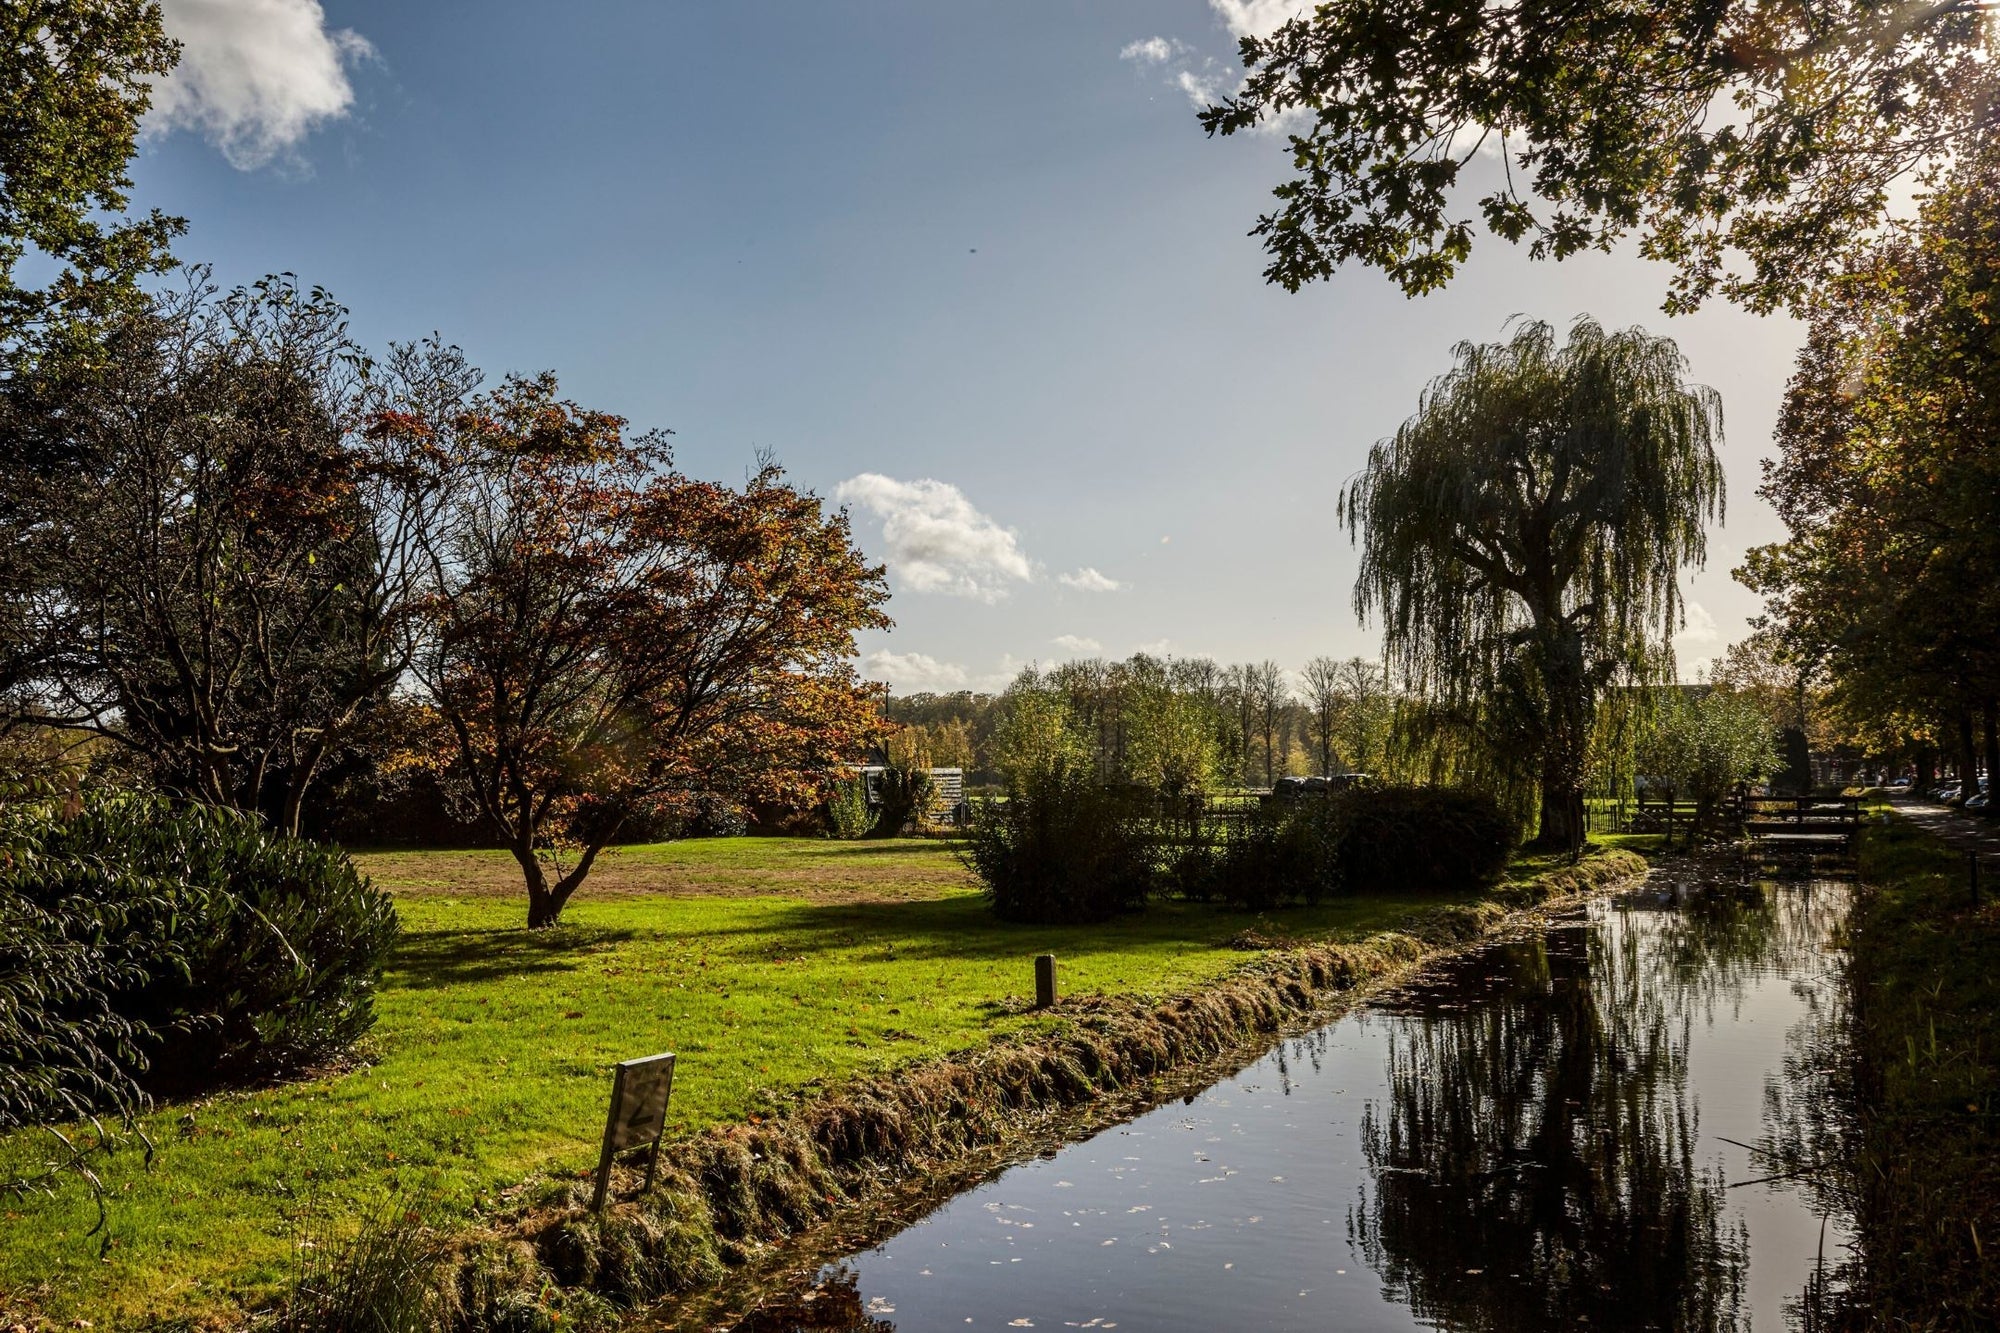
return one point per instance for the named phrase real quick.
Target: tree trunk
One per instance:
(296, 783)
(1992, 756)
(1562, 812)
(544, 909)
(1926, 770)
(1968, 756)
(545, 900)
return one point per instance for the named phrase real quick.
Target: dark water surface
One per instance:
(1547, 1134)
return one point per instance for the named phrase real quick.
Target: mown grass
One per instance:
(1925, 977)
(765, 963)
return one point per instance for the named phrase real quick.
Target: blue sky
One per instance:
(968, 267)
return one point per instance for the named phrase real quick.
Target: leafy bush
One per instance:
(846, 810)
(65, 1053)
(1287, 852)
(715, 816)
(1059, 849)
(228, 952)
(1368, 840)
(1421, 839)
(907, 794)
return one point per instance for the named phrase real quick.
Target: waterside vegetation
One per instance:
(1921, 1160)
(481, 1088)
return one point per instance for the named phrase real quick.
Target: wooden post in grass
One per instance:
(1045, 980)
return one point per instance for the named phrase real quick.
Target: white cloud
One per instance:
(1157, 648)
(1088, 579)
(1205, 80)
(1203, 89)
(914, 673)
(1700, 639)
(255, 76)
(1153, 50)
(936, 540)
(1257, 18)
(1076, 643)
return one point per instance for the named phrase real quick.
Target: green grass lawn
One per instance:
(765, 963)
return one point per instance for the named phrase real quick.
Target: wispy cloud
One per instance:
(1257, 18)
(914, 673)
(1077, 644)
(1088, 579)
(1700, 639)
(1204, 80)
(255, 76)
(936, 541)
(920, 673)
(1153, 50)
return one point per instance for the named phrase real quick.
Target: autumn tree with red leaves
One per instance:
(606, 638)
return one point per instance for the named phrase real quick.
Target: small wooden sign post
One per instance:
(1045, 980)
(639, 1093)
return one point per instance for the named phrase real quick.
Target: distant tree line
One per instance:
(1171, 724)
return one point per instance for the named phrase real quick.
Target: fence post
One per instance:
(1045, 980)
(1972, 865)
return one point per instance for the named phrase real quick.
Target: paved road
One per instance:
(1970, 832)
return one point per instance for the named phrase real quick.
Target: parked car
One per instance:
(1320, 784)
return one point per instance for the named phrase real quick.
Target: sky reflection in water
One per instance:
(1538, 1137)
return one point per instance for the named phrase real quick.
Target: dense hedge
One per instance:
(1288, 852)
(1060, 848)
(1394, 840)
(189, 948)
(1422, 839)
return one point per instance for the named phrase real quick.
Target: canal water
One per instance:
(1569, 1130)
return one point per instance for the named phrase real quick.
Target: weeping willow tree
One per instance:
(1523, 536)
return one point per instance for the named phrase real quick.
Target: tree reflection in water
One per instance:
(830, 1304)
(1536, 1164)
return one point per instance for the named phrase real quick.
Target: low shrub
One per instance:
(712, 815)
(1422, 840)
(1060, 848)
(907, 794)
(228, 952)
(1370, 840)
(845, 812)
(1288, 852)
(65, 1053)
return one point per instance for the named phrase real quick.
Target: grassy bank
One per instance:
(767, 964)
(1925, 969)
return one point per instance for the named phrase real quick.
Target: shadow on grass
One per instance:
(723, 852)
(966, 929)
(924, 929)
(431, 959)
